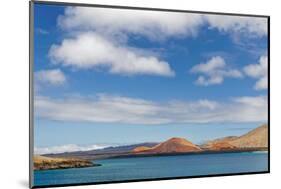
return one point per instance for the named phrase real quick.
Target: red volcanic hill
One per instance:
(173, 145)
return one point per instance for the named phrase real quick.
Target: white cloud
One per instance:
(90, 50)
(250, 108)
(67, 148)
(152, 24)
(213, 80)
(252, 26)
(214, 71)
(261, 84)
(101, 109)
(259, 71)
(53, 77)
(259, 101)
(100, 38)
(157, 24)
(211, 65)
(117, 109)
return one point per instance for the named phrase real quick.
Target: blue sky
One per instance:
(159, 74)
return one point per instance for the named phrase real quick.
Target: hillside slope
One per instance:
(257, 138)
(173, 145)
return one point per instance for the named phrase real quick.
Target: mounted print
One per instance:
(123, 94)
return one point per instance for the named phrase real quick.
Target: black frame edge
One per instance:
(268, 90)
(31, 99)
(144, 8)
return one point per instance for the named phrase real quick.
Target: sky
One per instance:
(106, 77)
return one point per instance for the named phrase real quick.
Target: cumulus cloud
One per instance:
(252, 26)
(152, 24)
(211, 65)
(259, 71)
(67, 148)
(53, 77)
(155, 24)
(100, 38)
(261, 84)
(118, 109)
(214, 71)
(90, 50)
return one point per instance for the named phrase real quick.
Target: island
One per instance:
(254, 140)
(47, 163)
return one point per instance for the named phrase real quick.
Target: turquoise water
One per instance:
(156, 167)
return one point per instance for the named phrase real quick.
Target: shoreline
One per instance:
(133, 155)
(94, 165)
(51, 163)
(206, 152)
(120, 156)
(127, 155)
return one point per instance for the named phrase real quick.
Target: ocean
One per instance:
(118, 169)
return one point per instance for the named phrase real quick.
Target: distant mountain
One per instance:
(123, 149)
(105, 151)
(173, 145)
(257, 138)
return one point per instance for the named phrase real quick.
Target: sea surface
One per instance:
(118, 169)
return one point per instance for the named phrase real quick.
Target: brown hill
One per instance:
(257, 138)
(141, 149)
(173, 145)
(224, 139)
(44, 163)
(220, 144)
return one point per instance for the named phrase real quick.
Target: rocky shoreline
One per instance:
(47, 163)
